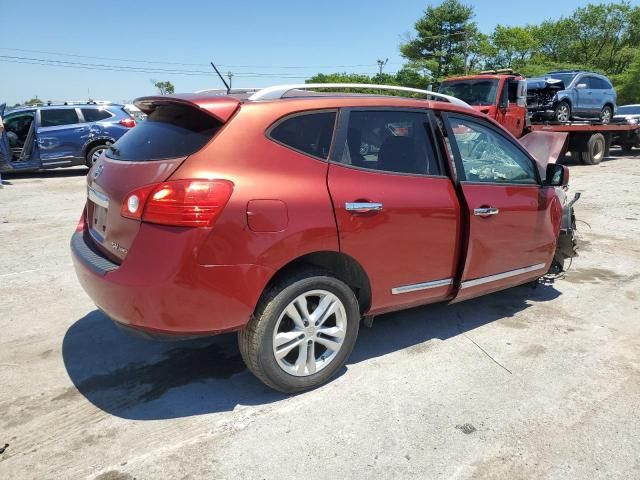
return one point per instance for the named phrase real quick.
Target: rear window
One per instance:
(309, 133)
(94, 114)
(170, 131)
(57, 117)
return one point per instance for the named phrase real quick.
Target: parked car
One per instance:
(629, 115)
(290, 219)
(565, 95)
(137, 114)
(53, 136)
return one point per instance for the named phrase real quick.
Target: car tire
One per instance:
(627, 149)
(94, 153)
(596, 147)
(562, 112)
(299, 359)
(606, 114)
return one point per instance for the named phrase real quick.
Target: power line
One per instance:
(158, 62)
(150, 70)
(123, 68)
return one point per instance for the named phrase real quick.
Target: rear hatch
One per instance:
(144, 157)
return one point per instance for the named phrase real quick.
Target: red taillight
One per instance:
(133, 204)
(80, 225)
(184, 203)
(128, 122)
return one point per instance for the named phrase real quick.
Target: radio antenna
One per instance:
(222, 78)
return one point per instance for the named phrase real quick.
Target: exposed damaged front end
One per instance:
(541, 94)
(567, 246)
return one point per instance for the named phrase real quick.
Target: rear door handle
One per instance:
(363, 207)
(485, 211)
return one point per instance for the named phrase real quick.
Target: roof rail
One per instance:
(278, 91)
(223, 91)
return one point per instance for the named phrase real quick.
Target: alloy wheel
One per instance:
(606, 115)
(562, 114)
(309, 333)
(96, 155)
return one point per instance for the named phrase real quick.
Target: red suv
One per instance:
(290, 215)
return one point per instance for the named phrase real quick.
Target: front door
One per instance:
(397, 213)
(61, 136)
(585, 94)
(516, 111)
(512, 220)
(5, 148)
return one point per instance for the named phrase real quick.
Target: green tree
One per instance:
(164, 88)
(33, 101)
(605, 37)
(445, 40)
(628, 83)
(513, 47)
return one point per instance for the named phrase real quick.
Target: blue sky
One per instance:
(242, 36)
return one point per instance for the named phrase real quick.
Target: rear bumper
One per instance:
(161, 289)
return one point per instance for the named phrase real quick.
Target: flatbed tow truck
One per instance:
(502, 95)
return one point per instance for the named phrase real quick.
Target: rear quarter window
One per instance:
(310, 132)
(95, 114)
(170, 131)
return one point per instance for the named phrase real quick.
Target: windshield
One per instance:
(566, 78)
(628, 110)
(474, 92)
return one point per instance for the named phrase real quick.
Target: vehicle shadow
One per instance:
(136, 378)
(614, 154)
(55, 173)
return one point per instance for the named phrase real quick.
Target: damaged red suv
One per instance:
(289, 215)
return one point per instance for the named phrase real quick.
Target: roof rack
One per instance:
(279, 91)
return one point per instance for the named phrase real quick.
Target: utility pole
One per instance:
(381, 64)
(466, 52)
(229, 76)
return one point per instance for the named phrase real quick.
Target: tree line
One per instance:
(446, 42)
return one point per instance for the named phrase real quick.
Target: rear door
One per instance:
(396, 212)
(61, 136)
(512, 220)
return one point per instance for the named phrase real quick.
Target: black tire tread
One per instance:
(249, 337)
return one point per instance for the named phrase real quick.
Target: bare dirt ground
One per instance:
(528, 383)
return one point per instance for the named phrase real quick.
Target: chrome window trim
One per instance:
(501, 276)
(421, 286)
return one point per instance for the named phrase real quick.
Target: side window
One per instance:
(513, 91)
(55, 117)
(95, 114)
(589, 81)
(309, 133)
(599, 83)
(488, 157)
(390, 141)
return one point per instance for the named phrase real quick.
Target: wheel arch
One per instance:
(95, 142)
(340, 265)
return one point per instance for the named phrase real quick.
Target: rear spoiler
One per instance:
(219, 107)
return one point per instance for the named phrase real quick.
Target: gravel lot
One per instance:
(529, 383)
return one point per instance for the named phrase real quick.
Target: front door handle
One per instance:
(485, 211)
(363, 207)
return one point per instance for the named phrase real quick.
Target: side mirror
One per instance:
(557, 175)
(581, 86)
